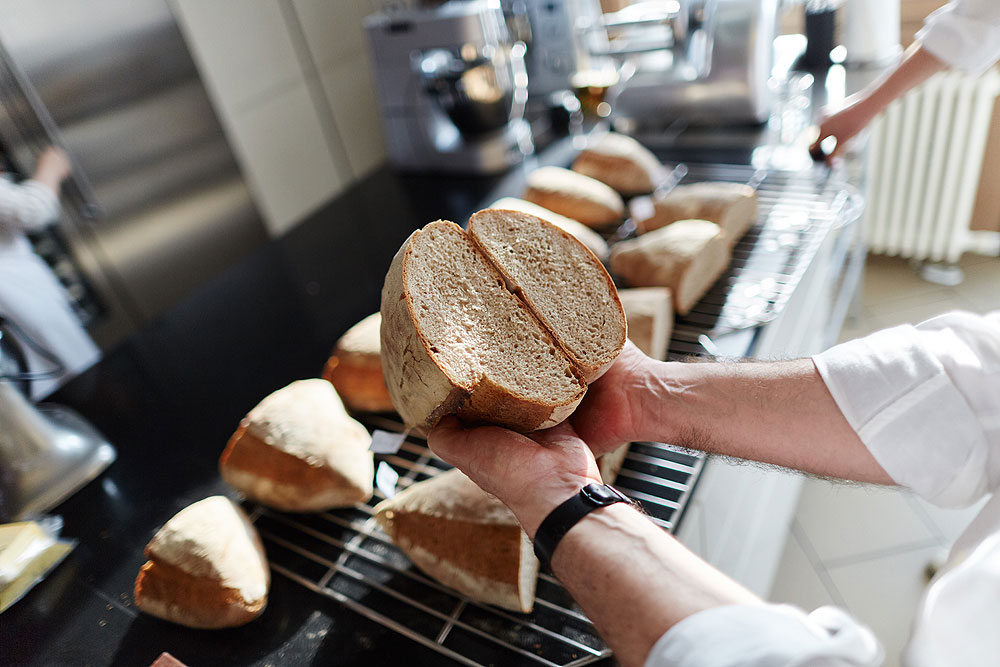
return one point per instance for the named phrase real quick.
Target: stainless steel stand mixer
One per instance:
(47, 452)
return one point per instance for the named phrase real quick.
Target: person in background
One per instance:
(30, 294)
(917, 406)
(964, 34)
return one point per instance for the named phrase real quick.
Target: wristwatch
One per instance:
(568, 514)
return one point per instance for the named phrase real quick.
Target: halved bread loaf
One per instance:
(575, 196)
(732, 206)
(299, 451)
(206, 568)
(463, 537)
(457, 340)
(649, 312)
(621, 162)
(355, 368)
(562, 283)
(581, 232)
(686, 256)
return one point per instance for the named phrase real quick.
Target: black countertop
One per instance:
(170, 397)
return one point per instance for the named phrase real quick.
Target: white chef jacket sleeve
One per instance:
(925, 400)
(26, 206)
(767, 636)
(965, 34)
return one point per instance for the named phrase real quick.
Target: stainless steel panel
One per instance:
(127, 102)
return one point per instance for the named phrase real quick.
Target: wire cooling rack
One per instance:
(344, 555)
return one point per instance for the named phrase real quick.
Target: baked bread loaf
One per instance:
(610, 464)
(355, 368)
(299, 451)
(621, 162)
(650, 315)
(686, 256)
(504, 324)
(463, 537)
(732, 206)
(206, 568)
(575, 196)
(583, 233)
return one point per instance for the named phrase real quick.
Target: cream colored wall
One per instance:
(292, 84)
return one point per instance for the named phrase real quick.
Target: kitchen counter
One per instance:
(170, 397)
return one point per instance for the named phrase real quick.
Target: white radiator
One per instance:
(925, 156)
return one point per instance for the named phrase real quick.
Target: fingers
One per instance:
(477, 451)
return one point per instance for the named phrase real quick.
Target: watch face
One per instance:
(602, 494)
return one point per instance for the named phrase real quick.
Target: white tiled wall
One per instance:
(293, 87)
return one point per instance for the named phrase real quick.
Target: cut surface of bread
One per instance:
(732, 206)
(560, 280)
(463, 537)
(457, 340)
(355, 368)
(300, 451)
(686, 256)
(575, 196)
(206, 568)
(622, 163)
(583, 233)
(650, 315)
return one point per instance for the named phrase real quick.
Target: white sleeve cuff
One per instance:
(896, 394)
(964, 36)
(767, 636)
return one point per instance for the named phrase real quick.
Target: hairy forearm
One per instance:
(616, 562)
(774, 412)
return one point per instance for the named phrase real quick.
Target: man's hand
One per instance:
(611, 413)
(53, 167)
(844, 125)
(531, 474)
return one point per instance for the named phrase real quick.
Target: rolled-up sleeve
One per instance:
(925, 400)
(965, 34)
(767, 636)
(26, 206)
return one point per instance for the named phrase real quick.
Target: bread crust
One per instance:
(575, 196)
(732, 206)
(422, 389)
(622, 163)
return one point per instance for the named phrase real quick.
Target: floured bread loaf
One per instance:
(206, 568)
(465, 538)
(686, 256)
(299, 451)
(575, 196)
(621, 162)
(355, 368)
(457, 340)
(732, 206)
(583, 233)
(650, 315)
(610, 464)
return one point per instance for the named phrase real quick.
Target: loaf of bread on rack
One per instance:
(686, 256)
(610, 464)
(732, 206)
(464, 538)
(622, 163)
(355, 368)
(503, 324)
(649, 312)
(575, 196)
(584, 234)
(299, 451)
(206, 568)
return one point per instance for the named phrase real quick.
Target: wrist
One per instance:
(532, 508)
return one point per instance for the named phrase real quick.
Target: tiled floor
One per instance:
(866, 548)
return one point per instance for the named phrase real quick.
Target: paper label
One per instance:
(386, 442)
(385, 479)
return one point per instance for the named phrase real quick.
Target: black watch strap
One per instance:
(555, 526)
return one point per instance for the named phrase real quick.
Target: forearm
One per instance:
(774, 412)
(917, 66)
(634, 581)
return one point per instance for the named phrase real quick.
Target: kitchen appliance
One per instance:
(451, 86)
(47, 452)
(156, 204)
(703, 62)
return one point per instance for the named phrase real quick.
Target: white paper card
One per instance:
(385, 442)
(385, 479)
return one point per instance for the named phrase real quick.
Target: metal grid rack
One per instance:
(344, 555)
